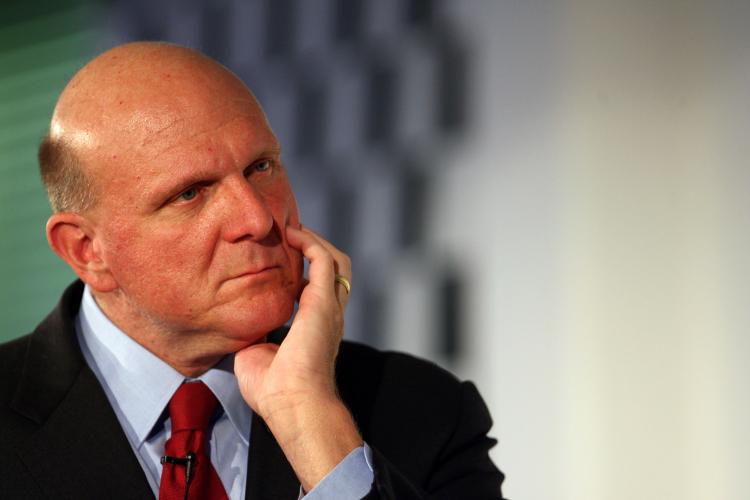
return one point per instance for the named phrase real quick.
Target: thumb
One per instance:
(250, 367)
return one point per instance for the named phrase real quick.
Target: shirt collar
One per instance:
(222, 382)
(142, 384)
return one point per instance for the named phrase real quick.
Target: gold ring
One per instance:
(344, 282)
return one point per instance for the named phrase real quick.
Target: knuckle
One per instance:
(346, 260)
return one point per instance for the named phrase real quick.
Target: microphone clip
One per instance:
(187, 461)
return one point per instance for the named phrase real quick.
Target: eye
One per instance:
(188, 194)
(262, 166)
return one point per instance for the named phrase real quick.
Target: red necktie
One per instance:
(187, 472)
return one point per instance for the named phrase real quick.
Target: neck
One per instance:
(191, 353)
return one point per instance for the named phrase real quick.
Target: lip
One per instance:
(255, 272)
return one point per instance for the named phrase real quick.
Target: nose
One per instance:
(248, 215)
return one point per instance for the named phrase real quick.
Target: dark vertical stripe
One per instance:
(381, 100)
(450, 303)
(413, 192)
(452, 85)
(420, 12)
(214, 35)
(342, 213)
(311, 119)
(281, 27)
(348, 20)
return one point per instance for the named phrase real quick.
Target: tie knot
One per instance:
(192, 407)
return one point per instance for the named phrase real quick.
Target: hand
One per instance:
(292, 386)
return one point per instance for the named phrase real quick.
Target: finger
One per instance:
(326, 261)
(320, 312)
(342, 267)
(322, 266)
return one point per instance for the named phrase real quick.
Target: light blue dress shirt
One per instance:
(139, 386)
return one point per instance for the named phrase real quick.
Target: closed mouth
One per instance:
(255, 272)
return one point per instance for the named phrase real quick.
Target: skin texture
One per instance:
(194, 246)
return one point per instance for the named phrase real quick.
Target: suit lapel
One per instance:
(78, 448)
(269, 475)
(82, 448)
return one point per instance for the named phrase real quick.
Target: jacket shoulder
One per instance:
(398, 371)
(430, 426)
(390, 391)
(12, 357)
(13, 426)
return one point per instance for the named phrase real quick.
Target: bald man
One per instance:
(171, 204)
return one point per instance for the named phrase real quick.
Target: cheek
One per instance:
(147, 257)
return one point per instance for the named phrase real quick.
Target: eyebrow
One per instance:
(163, 191)
(176, 183)
(275, 151)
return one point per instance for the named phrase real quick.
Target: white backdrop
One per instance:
(599, 209)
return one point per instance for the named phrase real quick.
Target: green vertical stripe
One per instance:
(42, 44)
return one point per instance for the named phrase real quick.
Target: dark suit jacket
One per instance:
(60, 438)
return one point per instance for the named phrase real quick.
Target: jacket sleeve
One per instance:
(462, 469)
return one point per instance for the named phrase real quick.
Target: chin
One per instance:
(251, 321)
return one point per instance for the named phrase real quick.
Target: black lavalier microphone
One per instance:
(188, 461)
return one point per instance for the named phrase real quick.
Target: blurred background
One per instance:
(543, 197)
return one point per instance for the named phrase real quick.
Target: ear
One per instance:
(73, 237)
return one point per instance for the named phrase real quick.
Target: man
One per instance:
(172, 206)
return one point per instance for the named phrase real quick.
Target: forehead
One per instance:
(191, 125)
(194, 144)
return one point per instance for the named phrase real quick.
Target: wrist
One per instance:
(315, 436)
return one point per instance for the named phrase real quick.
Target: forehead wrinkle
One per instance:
(179, 142)
(156, 134)
(188, 137)
(197, 115)
(171, 108)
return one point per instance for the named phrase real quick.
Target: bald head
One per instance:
(122, 101)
